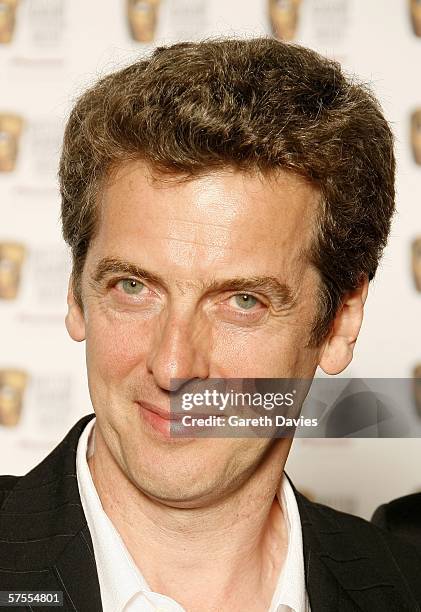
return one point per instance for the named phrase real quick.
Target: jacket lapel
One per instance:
(348, 565)
(76, 573)
(45, 543)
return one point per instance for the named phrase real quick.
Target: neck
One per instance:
(243, 535)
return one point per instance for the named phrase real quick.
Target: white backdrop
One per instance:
(55, 49)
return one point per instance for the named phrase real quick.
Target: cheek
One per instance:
(276, 350)
(114, 348)
(270, 353)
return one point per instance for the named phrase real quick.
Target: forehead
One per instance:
(217, 218)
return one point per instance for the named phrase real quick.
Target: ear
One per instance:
(75, 320)
(339, 347)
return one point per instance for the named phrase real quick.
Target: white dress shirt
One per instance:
(124, 589)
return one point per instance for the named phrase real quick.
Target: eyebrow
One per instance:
(281, 293)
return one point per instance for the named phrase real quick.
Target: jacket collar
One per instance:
(44, 540)
(346, 558)
(342, 554)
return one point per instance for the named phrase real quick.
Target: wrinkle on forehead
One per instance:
(215, 214)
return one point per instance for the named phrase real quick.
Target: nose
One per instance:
(180, 350)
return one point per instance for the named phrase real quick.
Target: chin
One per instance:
(177, 495)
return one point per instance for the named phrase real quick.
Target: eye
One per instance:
(130, 286)
(245, 300)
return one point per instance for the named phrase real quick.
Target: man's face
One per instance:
(143, 329)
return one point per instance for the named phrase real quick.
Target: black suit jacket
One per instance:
(402, 517)
(45, 544)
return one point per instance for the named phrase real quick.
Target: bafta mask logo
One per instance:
(12, 256)
(283, 15)
(12, 389)
(416, 16)
(416, 262)
(143, 18)
(416, 135)
(417, 388)
(10, 131)
(7, 20)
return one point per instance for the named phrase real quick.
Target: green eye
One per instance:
(131, 286)
(245, 301)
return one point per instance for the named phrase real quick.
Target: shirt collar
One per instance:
(119, 577)
(290, 590)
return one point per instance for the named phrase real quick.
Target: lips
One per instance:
(161, 412)
(168, 424)
(161, 421)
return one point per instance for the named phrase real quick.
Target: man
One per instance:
(226, 203)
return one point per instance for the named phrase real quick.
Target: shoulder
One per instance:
(402, 516)
(41, 511)
(46, 479)
(344, 536)
(331, 520)
(375, 531)
(403, 509)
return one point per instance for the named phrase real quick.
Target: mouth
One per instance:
(162, 422)
(165, 422)
(163, 413)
